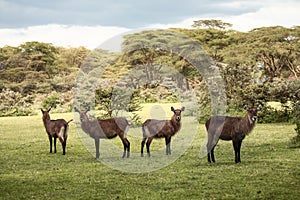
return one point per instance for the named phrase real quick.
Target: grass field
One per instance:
(270, 169)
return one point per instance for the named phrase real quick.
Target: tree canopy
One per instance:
(211, 23)
(257, 66)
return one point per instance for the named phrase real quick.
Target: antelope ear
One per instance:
(88, 109)
(172, 109)
(259, 107)
(246, 107)
(76, 110)
(49, 109)
(182, 109)
(42, 110)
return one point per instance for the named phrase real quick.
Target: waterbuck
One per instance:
(57, 129)
(153, 128)
(105, 129)
(230, 128)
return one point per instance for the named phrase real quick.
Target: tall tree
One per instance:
(151, 50)
(73, 57)
(213, 40)
(40, 56)
(277, 50)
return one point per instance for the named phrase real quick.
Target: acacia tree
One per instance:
(73, 57)
(40, 56)
(255, 59)
(211, 23)
(140, 52)
(277, 50)
(212, 40)
(149, 51)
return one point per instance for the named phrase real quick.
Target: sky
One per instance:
(74, 23)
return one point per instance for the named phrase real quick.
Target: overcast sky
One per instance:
(88, 23)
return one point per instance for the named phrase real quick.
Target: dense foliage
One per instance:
(258, 66)
(35, 73)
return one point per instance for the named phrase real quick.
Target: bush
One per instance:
(296, 120)
(272, 115)
(136, 120)
(28, 88)
(50, 101)
(14, 104)
(2, 87)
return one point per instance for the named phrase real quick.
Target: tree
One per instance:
(211, 23)
(212, 40)
(277, 49)
(150, 51)
(116, 99)
(140, 51)
(40, 56)
(73, 57)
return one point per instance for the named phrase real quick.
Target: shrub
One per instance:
(2, 87)
(272, 115)
(14, 104)
(296, 120)
(28, 88)
(50, 101)
(135, 120)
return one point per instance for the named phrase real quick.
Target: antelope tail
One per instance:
(145, 131)
(65, 133)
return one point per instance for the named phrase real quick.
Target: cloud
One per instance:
(60, 35)
(273, 14)
(277, 13)
(129, 13)
(89, 23)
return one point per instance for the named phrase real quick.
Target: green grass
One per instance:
(269, 170)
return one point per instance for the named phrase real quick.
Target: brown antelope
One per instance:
(153, 128)
(230, 128)
(105, 129)
(57, 129)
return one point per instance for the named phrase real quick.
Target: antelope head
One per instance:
(177, 113)
(252, 112)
